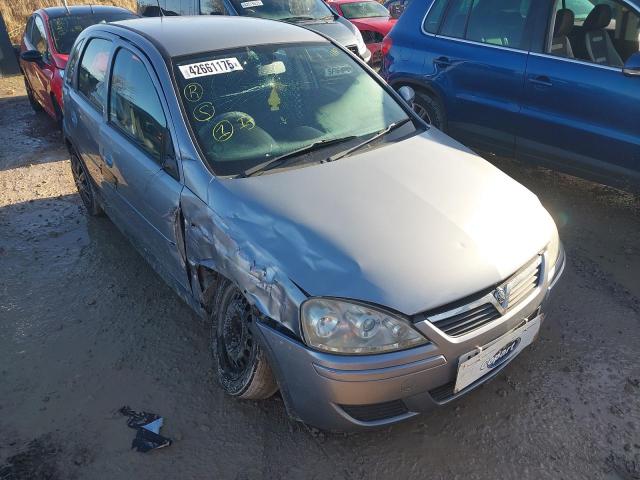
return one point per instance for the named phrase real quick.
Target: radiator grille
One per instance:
(458, 319)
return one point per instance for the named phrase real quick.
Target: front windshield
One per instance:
(364, 10)
(291, 10)
(252, 104)
(66, 29)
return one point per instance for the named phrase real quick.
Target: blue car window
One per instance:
(433, 18)
(456, 20)
(499, 22)
(134, 106)
(93, 70)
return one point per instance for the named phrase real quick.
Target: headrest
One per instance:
(564, 23)
(598, 18)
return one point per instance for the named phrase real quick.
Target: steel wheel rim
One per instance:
(422, 113)
(235, 341)
(81, 181)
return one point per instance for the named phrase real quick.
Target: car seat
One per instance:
(597, 40)
(560, 44)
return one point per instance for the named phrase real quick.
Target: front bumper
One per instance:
(339, 392)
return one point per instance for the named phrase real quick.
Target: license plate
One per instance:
(481, 361)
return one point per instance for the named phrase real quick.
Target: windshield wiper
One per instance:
(296, 19)
(277, 161)
(378, 135)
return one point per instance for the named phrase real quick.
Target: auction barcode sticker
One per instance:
(212, 67)
(253, 3)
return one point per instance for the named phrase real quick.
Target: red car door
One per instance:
(39, 75)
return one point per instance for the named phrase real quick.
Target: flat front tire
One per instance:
(240, 363)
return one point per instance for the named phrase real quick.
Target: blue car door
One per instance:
(478, 60)
(580, 111)
(138, 150)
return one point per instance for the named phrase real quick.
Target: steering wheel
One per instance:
(234, 135)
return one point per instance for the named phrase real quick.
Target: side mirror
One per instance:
(408, 94)
(168, 155)
(33, 56)
(632, 66)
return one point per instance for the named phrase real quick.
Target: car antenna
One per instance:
(160, 9)
(64, 2)
(91, 7)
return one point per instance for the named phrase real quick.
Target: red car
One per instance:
(45, 48)
(372, 19)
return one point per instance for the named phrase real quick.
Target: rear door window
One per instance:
(93, 71)
(134, 106)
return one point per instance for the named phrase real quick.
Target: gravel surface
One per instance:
(87, 327)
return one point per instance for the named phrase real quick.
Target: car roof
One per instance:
(183, 35)
(55, 12)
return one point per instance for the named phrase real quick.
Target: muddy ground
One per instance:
(86, 327)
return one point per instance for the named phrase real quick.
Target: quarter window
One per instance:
(93, 70)
(432, 21)
(134, 106)
(455, 23)
(495, 22)
(73, 63)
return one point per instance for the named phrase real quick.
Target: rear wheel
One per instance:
(240, 363)
(430, 110)
(84, 186)
(58, 112)
(32, 99)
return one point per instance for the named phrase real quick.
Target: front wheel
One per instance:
(430, 110)
(240, 363)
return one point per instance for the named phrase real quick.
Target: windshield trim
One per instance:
(173, 62)
(238, 11)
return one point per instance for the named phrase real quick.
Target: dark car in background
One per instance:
(312, 14)
(552, 82)
(44, 51)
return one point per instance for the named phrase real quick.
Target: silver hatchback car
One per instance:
(367, 266)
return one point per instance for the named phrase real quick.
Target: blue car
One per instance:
(554, 82)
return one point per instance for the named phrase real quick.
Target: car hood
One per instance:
(381, 25)
(411, 225)
(337, 30)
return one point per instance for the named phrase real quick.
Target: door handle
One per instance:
(442, 62)
(541, 80)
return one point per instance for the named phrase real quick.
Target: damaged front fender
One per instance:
(215, 243)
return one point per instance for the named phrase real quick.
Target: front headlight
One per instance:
(553, 249)
(338, 326)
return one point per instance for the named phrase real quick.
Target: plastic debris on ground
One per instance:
(148, 427)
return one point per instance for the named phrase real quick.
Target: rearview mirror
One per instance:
(632, 66)
(33, 56)
(408, 94)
